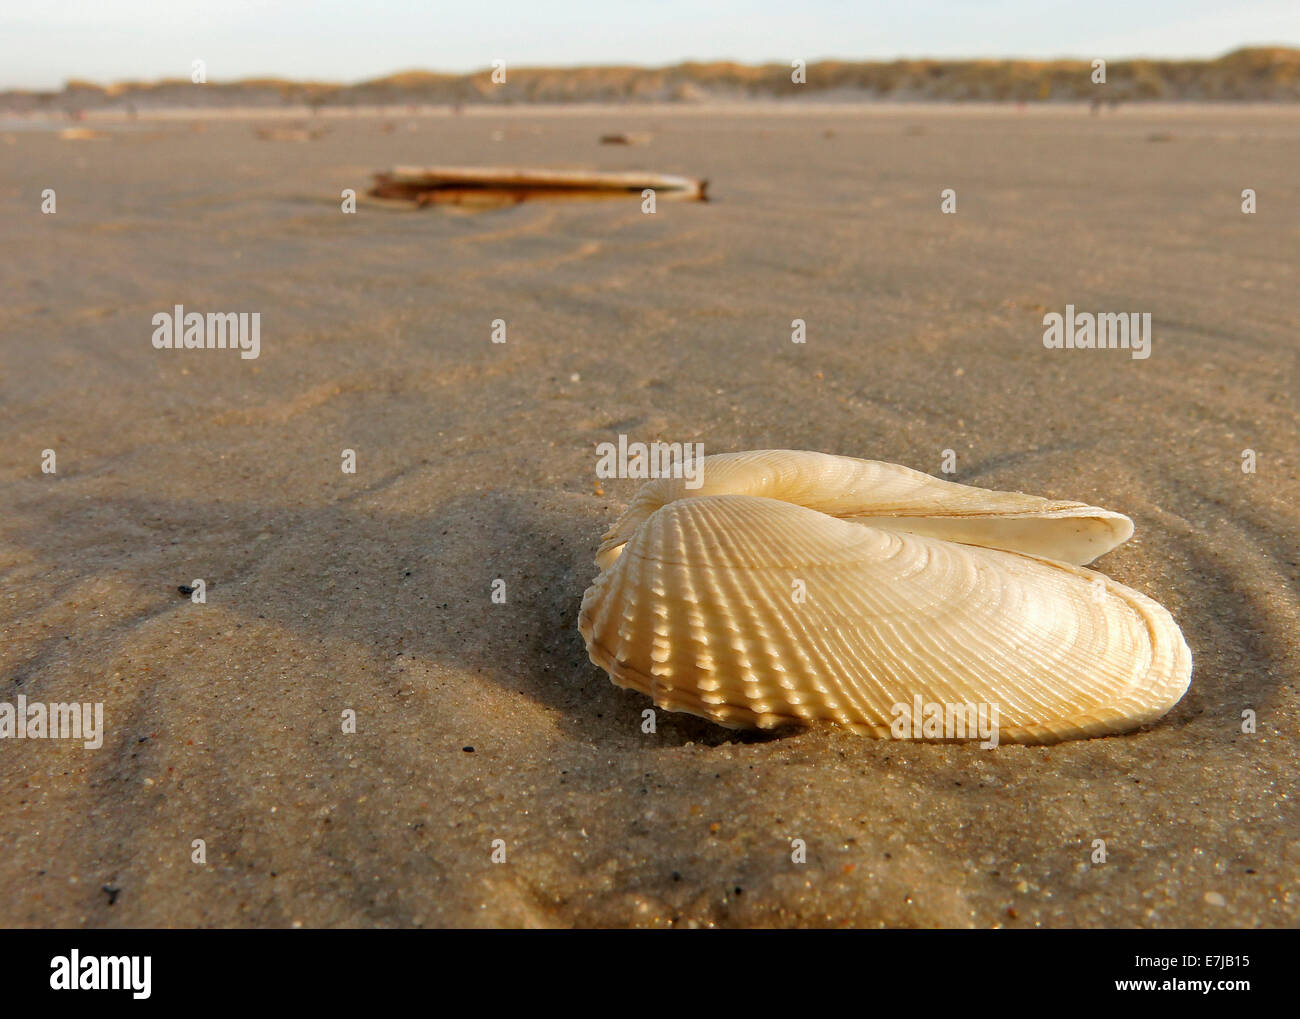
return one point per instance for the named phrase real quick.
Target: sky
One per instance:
(46, 42)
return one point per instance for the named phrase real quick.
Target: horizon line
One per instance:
(685, 62)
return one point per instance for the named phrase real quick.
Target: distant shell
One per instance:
(912, 587)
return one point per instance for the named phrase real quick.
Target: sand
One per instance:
(371, 591)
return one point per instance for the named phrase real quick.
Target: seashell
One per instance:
(491, 185)
(914, 590)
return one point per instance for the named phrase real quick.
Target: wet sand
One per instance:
(476, 461)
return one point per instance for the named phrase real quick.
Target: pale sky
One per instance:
(45, 42)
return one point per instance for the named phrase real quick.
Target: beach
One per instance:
(495, 776)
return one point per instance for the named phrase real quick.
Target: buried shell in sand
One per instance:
(783, 586)
(490, 187)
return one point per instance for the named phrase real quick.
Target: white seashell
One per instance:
(912, 588)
